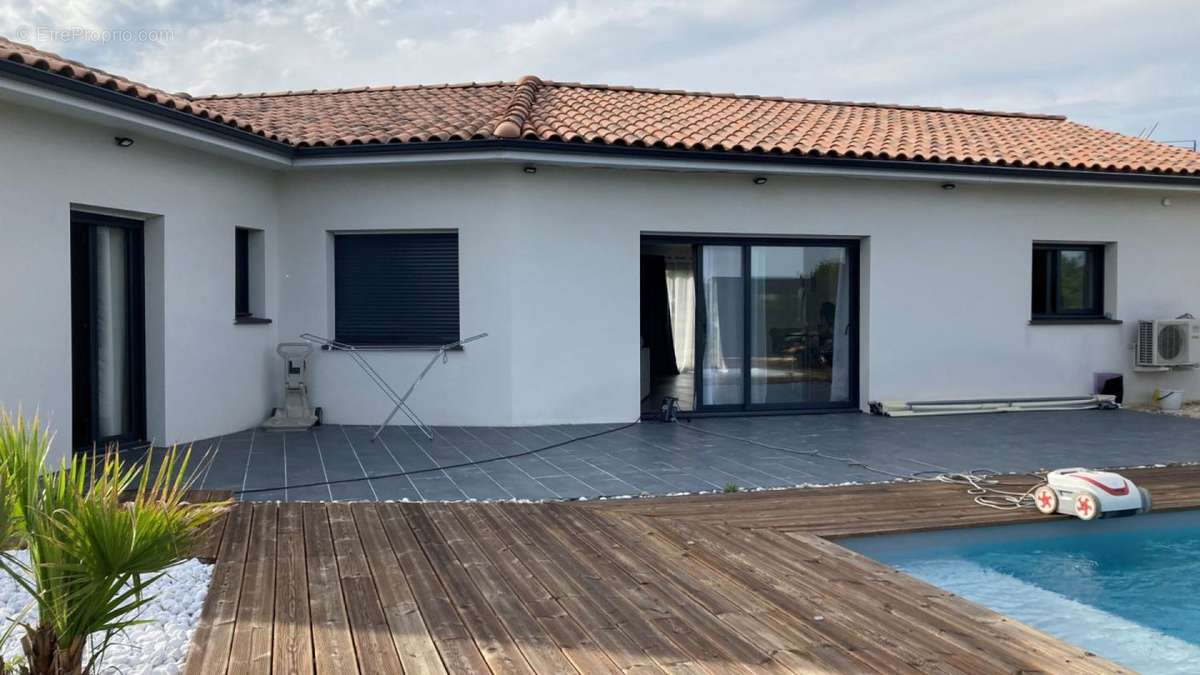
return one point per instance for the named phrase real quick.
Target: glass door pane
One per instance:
(722, 376)
(799, 325)
(111, 326)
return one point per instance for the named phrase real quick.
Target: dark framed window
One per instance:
(249, 301)
(396, 289)
(242, 273)
(1068, 281)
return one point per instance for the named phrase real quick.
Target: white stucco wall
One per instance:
(475, 386)
(205, 376)
(550, 268)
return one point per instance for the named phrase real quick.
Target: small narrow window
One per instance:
(242, 273)
(248, 276)
(1068, 281)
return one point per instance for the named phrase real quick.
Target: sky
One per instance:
(1127, 66)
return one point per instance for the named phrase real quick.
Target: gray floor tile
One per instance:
(652, 458)
(438, 488)
(356, 491)
(309, 494)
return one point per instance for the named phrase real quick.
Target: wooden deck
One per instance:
(720, 583)
(885, 508)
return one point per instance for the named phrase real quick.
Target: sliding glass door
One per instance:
(777, 325)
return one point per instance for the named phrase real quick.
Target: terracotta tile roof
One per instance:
(53, 63)
(447, 112)
(572, 112)
(626, 116)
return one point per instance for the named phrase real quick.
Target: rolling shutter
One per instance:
(396, 289)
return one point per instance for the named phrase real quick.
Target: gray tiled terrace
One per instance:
(656, 459)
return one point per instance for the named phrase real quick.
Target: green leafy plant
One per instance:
(98, 532)
(730, 488)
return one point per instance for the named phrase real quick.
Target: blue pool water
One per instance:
(1127, 589)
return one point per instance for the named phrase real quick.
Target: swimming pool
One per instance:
(1127, 589)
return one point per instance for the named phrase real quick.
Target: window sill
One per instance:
(250, 321)
(396, 348)
(1075, 322)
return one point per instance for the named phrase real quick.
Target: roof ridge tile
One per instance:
(520, 108)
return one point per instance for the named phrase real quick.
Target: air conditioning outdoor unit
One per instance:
(1169, 343)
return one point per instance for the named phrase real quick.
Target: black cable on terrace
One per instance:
(461, 465)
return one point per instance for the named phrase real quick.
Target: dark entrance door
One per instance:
(107, 330)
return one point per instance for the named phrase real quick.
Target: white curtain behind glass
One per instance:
(724, 337)
(681, 297)
(760, 348)
(840, 391)
(112, 369)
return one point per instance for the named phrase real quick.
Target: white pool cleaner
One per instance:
(296, 414)
(1088, 494)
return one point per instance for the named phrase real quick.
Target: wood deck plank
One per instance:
(497, 645)
(292, 649)
(677, 594)
(531, 637)
(457, 648)
(903, 626)
(1007, 637)
(625, 645)
(213, 639)
(713, 583)
(856, 635)
(576, 570)
(634, 601)
(736, 603)
(252, 635)
(410, 635)
(885, 508)
(580, 647)
(373, 643)
(333, 644)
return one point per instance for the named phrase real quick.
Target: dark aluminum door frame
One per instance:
(85, 378)
(746, 243)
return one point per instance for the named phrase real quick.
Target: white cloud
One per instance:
(1112, 63)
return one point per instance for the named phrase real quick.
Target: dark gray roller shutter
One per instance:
(396, 289)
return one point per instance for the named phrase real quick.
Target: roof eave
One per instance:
(281, 154)
(54, 83)
(516, 149)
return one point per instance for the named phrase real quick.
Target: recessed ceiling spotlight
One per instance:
(123, 141)
(759, 180)
(530, 169)
(1166, 201)
(949, 186)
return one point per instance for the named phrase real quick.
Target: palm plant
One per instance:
(98, 533)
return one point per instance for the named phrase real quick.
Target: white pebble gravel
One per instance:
(157, 647)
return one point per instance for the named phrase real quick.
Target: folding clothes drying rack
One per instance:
(400, 401)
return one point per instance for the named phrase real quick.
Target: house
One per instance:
(743, 253)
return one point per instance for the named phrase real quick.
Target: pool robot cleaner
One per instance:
(1079, 492)
(1089, 494)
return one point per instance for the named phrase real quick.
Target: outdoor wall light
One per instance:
(530, 169)
(123, 141)
(949, 186)
(759, 180)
